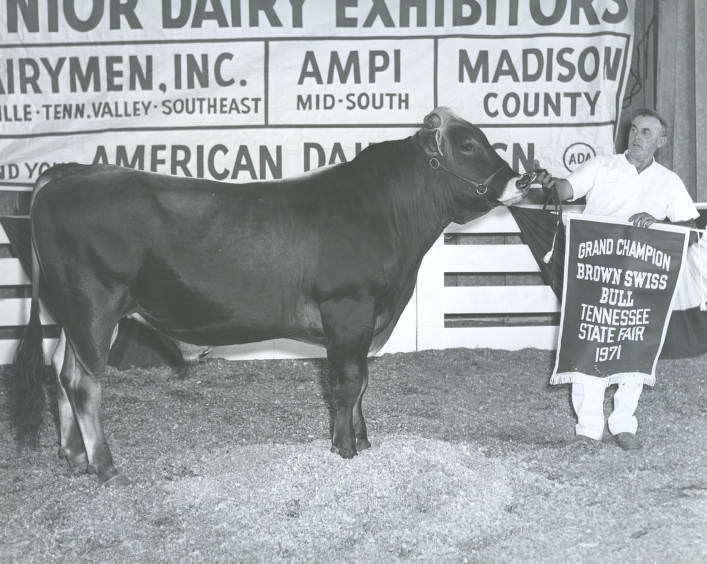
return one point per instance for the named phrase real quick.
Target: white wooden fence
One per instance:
(14, 311)
(495, 314)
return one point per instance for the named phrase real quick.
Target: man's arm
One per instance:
(562, 185)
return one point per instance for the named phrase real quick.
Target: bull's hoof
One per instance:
(78, 463)
(104, 474)
(362, 444)
(344, 452)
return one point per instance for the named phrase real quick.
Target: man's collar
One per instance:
(634, 166)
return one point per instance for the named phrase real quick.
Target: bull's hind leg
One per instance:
(84, 394)
(359, 422)
(70, 442)
(89, 334)
(348, 325)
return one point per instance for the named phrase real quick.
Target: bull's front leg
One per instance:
(348, 325)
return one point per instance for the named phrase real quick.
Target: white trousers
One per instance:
(588, 403)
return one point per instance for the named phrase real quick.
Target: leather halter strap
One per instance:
(481, 188)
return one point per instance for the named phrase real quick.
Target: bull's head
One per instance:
(461, 150)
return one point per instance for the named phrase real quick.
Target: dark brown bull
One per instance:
(330, 258)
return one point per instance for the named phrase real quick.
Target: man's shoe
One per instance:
(627, 441)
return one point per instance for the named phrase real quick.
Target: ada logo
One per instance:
(577, 154)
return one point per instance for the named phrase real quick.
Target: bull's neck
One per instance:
(426, 207)
(419, 201)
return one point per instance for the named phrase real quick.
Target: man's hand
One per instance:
(643, 219)
(543, 177)
(549, 182)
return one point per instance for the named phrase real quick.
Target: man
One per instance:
(630, 186)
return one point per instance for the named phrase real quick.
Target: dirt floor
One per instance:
(473, 460)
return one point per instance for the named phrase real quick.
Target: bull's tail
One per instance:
(26, 393)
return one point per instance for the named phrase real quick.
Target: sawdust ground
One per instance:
(473, 460)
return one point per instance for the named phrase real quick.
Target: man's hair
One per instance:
(656, 115)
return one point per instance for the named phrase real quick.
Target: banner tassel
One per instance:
(548, 256)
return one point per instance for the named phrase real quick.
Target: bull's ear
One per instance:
(433, 120)
(428, 139)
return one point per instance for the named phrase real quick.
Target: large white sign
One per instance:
(243, 90)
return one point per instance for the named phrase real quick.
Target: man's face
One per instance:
(644, 138)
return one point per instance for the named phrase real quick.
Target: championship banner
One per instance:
(619, 284)
(244, 90)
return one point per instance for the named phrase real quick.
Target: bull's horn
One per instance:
(432, 120)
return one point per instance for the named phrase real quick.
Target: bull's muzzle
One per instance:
(514, 191)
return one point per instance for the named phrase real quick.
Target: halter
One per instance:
(481, 188)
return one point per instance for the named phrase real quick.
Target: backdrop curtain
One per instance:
(681, 86)
(641, 83)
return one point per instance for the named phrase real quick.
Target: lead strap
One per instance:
(554, 196)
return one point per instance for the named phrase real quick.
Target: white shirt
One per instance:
(614, 188)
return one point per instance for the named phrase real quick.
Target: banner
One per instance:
(619, 283)
(242, 90)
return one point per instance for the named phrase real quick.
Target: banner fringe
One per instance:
(578, 377)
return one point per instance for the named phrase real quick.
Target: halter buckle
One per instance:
(481, 189)
(434, 163)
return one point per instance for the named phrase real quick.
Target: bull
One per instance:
(330, 258)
